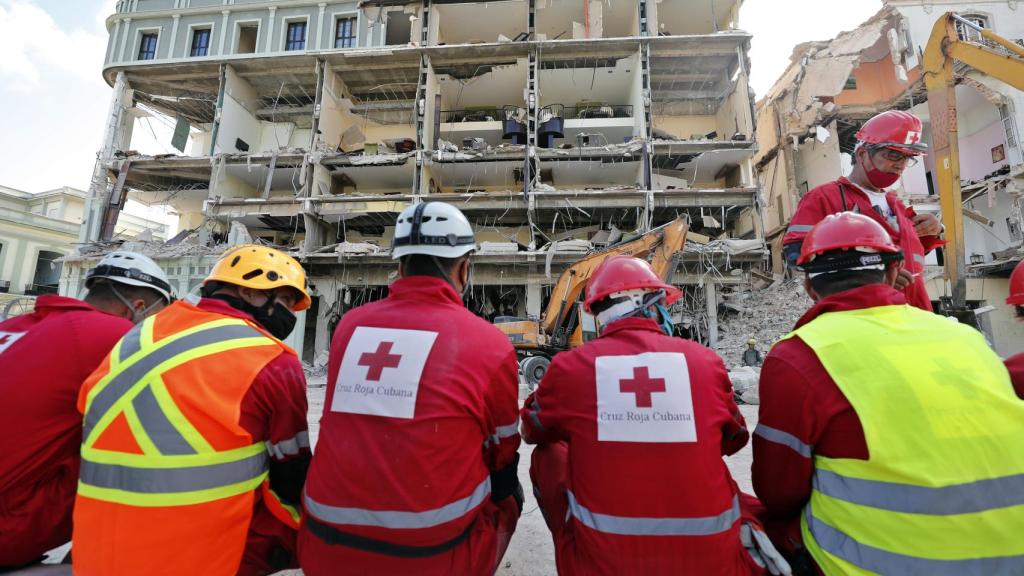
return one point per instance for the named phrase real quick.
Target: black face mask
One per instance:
(280, 324)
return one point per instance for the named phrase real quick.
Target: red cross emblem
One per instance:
(913, 137)
(642, 385)
(379, 360)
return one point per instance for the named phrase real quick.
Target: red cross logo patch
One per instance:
(644, 398)
(380, 372)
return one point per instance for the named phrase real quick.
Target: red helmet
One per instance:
(1016, 297)
(845, 231)
(894, 129)
(620, 273)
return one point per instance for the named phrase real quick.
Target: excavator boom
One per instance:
(1005, 63)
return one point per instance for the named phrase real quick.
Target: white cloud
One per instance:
(31, 41)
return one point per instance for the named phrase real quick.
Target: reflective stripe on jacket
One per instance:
(164, 458)
(943, 489)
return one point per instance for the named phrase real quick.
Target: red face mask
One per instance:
(876, 177)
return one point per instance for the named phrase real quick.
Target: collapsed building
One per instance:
(806, 126)
(557, 127)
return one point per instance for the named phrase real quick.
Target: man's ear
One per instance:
(892, 270)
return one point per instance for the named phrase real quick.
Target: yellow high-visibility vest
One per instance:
(943, 489)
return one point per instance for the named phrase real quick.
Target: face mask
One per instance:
(877, 178)
(280, 324)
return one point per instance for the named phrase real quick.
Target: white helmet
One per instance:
(133, 269)
(433, 229)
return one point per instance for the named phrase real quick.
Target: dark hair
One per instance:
(836, 282)
(423, 265)
(103, 291)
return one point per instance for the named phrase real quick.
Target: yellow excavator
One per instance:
(995, 56)
(565, 324)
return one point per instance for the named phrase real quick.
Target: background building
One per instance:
(807, 123)
(37, 230)
(557, 126)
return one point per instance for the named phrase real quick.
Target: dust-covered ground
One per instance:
(531, 552)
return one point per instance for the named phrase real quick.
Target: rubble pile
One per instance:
(765, 315)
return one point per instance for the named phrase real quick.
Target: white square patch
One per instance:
(644, 398)
(9, 338)
(380, 372)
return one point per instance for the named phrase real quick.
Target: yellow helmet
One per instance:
(261, 268)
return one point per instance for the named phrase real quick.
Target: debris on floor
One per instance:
(765, 315)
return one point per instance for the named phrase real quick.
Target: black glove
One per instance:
(505, 483)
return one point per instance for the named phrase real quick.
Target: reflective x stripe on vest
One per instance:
(636, 526)
(943, 490)
(178, 466)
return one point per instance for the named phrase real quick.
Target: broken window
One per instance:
(398, 29)
(147, 47)
(971, 34)
(851, 83)
(345, 33)
(47, 273)
(200, 42)
(1013, 227)
(296, 36)
(1008, 125)
(247, 39)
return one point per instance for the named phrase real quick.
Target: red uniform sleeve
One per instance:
(812, 208)
(274, 409)
(734, 432)
(1015, 364)
(502, 399)
(540, 413)
(783, 439)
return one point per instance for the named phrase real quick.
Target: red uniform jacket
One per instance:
(44, 358)
(274, 411)
(800, 399)
(1015, 364)
(647, 419)
(421, 406)
(842, 195)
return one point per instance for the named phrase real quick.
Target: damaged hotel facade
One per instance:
(556, 126)
(807, 121)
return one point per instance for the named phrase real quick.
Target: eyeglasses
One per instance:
(896, 156)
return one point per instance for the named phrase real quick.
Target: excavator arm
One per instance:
(665, 241)
(945, 47)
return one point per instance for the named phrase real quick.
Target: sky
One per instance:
(55, 101)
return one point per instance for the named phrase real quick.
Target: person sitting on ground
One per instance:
(630, 431)
(889, 439)
(44, 358)
(416, 466)
(195, 444)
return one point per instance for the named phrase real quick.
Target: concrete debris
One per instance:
(239, 234)
(499, 247)
(385, 158)
(357, 248)
(766, 315)
(745, 383)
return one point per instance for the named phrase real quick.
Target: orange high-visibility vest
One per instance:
(168, 477)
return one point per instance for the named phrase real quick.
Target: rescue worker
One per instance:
(752, 356)
(44, 358)
(887, 145)
(889, 439)
(415, 468)
(1015, 364)
(630, 431)
(195, 438)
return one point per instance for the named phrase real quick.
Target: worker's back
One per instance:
(647, 418)
(44, 358)
(945, 434)
(420, 408)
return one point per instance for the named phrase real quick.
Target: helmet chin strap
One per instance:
(137, 315)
